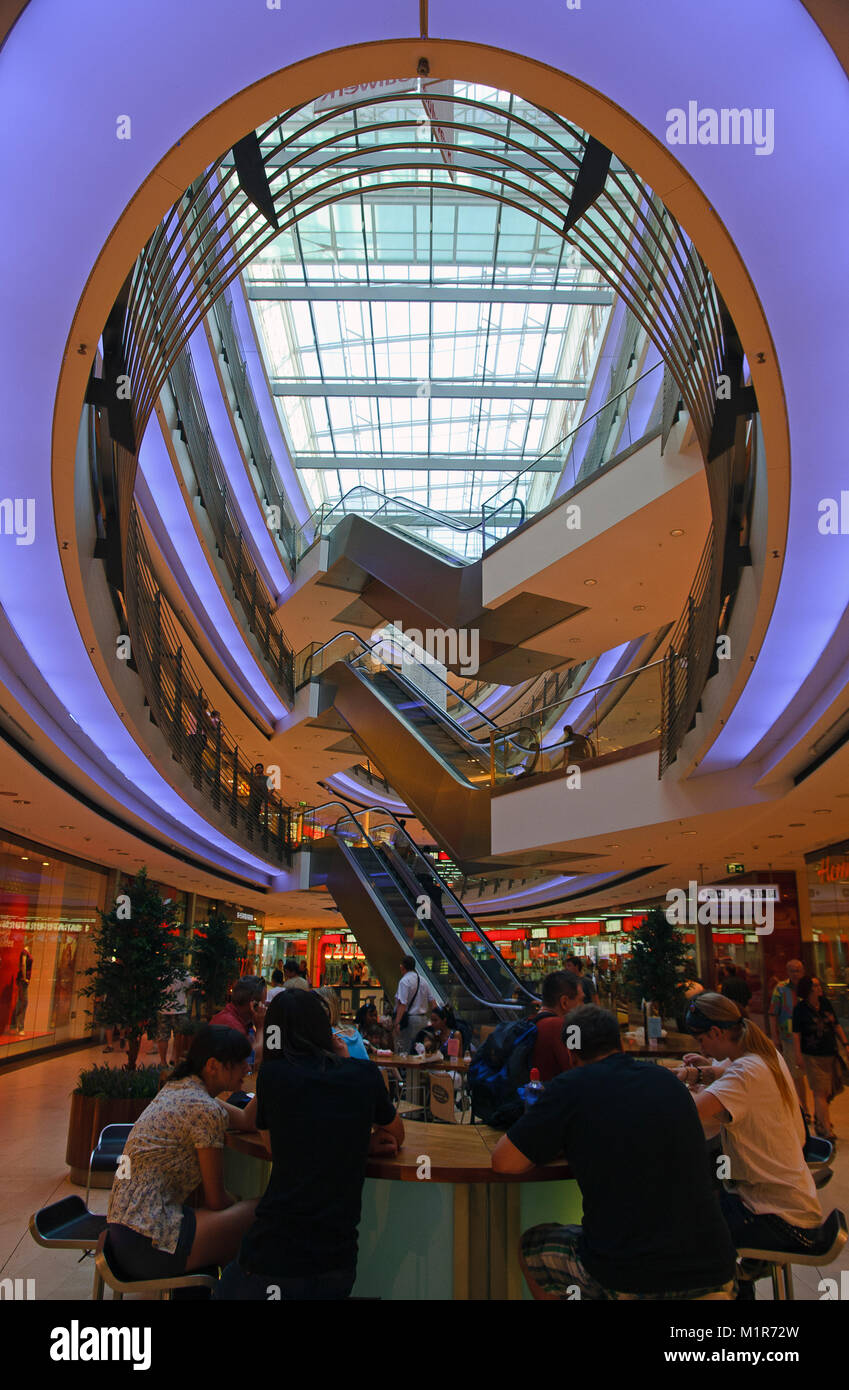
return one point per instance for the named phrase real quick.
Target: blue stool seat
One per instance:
(67, 1225)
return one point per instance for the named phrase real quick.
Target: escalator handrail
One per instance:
(450, 947)
(580, 425)
(579, 694)
(472, 924)
(438, 517)
(442, 716)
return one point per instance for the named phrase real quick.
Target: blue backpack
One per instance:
(501, 1065)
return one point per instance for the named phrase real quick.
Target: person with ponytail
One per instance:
(174, 1147)
(768, 1199)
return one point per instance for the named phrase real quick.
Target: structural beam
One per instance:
(436, 390)
(424, 463)
(416, 292)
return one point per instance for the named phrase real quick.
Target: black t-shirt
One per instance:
(634, 1141)
(319, 1116)
(816, 1028)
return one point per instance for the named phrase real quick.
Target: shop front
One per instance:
(49, 916)
(342, 963)
(827, 873)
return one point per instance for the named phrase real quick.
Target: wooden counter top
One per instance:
(457, 1154)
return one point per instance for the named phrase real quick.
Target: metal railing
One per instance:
(220, 771)
(248, 586)
(622, 713)
(605, 433)
(396, 513)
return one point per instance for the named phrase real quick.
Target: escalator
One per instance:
(442, 770)
(390, 895)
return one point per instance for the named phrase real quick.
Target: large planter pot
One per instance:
(88, 1116)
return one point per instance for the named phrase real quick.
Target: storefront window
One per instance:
(49, 914)
(828, 891)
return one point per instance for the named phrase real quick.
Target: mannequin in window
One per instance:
(22, 981)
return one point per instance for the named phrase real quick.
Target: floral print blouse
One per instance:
(163, 1166)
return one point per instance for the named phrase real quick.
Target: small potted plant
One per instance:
(137, 955)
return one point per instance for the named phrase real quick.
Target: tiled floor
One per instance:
(34, 1104)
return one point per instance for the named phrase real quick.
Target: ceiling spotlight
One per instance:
(796, 824)
(689, 832)
(590, 582)
(639, 608)
(45, 863)
(676, 532)
(25, 856)
(825, 812)
(775, 837)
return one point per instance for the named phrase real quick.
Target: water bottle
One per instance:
(534, 1089)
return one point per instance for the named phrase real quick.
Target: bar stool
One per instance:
(67, 1225)
(819, 1156)
(106, 1273)
(106, 1154)
(829, 1240)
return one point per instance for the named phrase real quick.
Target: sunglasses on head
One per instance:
(697, 1022)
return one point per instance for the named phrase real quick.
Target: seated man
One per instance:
(560, 994)
(652, 1225)
(245, 1011)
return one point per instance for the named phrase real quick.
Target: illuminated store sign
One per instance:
(833, 870)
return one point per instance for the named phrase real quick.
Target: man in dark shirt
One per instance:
(632, 1136)
(560, 994)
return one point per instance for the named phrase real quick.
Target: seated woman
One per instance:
(317, 1110)
(176, 1145)
(349, 1036)
(769, 1200)
(444, 1025)
(815, 1034)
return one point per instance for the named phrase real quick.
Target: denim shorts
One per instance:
(136, 1257)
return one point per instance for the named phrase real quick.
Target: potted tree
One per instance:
(137, 955)
(216, 961)
(654, 976)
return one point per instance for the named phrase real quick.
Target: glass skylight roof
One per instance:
(462, 348)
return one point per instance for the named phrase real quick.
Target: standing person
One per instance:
(413, 1004)
(576, 966)
(769, 1201)
(175, 1146)
(321, 1114)
(292, 977)
(815, 1034)
(278, 980)
(257, 797)
(174, 1018)
(652, 1228)
(734, 987)
(781, 1005)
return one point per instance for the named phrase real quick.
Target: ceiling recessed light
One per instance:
(45, 863)
(775, 837)
(689, 832)
(796, 824)
(676, 532)
(25, 856)
(639, 608)
(590, 582)
(825, 812)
